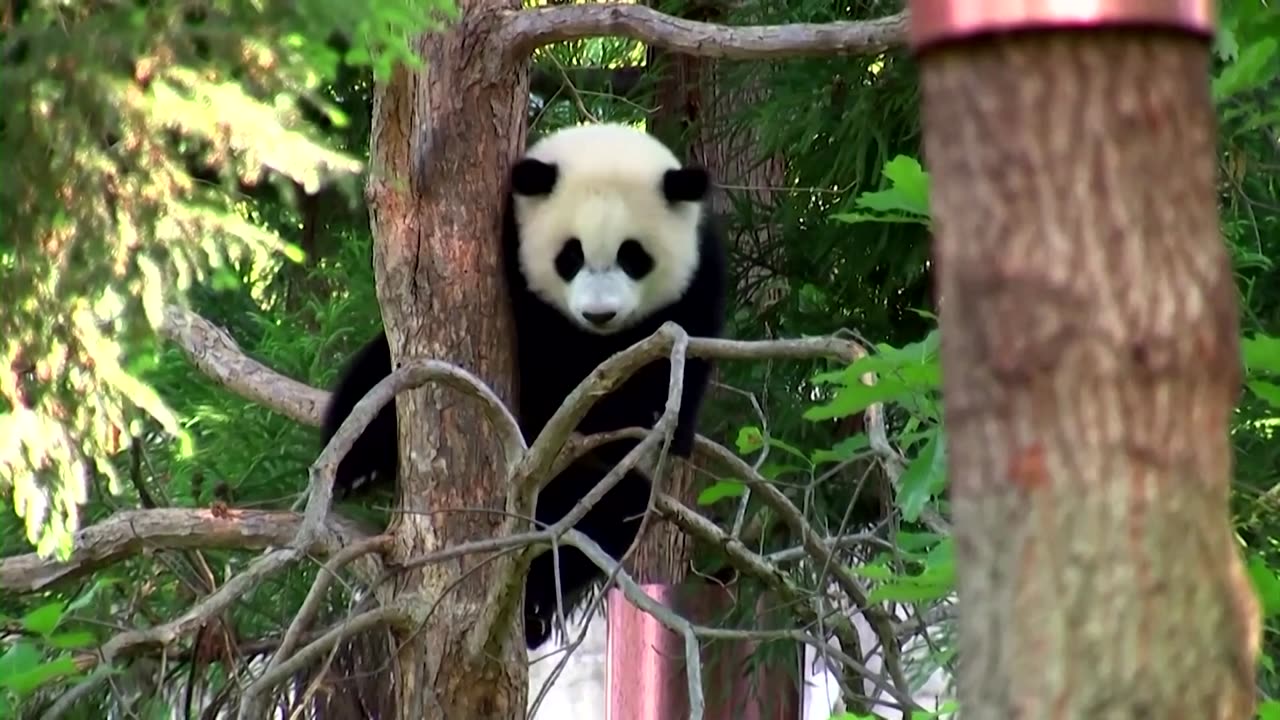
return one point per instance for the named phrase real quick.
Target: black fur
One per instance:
(554, 355)
(533, 177)
(688, 184)
(373, 459)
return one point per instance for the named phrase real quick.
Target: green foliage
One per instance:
(905, 200)
(124, 127)
(40, 656)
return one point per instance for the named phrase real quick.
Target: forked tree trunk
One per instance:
(442, 141)
(1089, 336)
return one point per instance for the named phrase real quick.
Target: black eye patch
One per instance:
(569, 260)
(634, 259)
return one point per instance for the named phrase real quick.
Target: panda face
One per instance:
(608, 225)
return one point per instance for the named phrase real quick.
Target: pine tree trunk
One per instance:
(442, 140)
(1089, 336)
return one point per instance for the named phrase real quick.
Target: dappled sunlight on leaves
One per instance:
(104, 221)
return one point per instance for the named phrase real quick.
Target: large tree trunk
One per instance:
(1089, 336)
(442, 141)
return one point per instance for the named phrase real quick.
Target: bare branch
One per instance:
(319, 587)
(218, 356)
(412, 374)
(749, 562)
(526, 30)
(618, 369)
(130, 532)
(280, 671)
(664, 615)
(164, 635)
(879, 621)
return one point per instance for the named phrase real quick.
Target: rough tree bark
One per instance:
(442, 140)
(1089, 335)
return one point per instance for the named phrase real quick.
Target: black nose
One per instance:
(599, 318)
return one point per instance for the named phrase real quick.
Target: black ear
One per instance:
(533, 177)
(688, 184)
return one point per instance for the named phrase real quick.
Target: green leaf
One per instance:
(1266, 584)
(43, 619)
(790, 450)
(88, 596)
(721, 490)
(1248, 72)
(856, 397)
(852, 218)
(843, 451)
(1261, 353)
(911, 542)
(32, 678)
(905, 200)
(936, 582)
(909, 179)
(911, 590)
(1269, 710)
(70, 640)
(874, 571)
(20, 658)
(750, 439)
(773, 470)
(1266, 391)
(923, 479)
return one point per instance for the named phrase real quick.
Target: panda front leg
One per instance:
(612, 523)
(697, 375)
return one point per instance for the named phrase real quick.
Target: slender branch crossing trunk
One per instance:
(1089, 336)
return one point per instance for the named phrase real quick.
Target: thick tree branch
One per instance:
(527, 30)
(133, 531)
(212, 350)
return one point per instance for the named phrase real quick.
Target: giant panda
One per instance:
(605, 237)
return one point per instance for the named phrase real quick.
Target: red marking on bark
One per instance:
(1027, 467)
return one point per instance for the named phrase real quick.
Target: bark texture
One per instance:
(442, 141)
(1089, 335)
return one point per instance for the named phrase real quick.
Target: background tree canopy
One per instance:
(162, 153)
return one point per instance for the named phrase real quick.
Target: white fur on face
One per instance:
(608, 191)
(611, 292)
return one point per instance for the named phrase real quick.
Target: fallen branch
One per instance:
(131, 532)
(526, 30)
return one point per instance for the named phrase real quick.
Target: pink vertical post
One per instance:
(645, 668)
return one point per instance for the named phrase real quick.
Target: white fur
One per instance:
(608, 190)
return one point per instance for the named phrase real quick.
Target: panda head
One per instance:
(608, 224)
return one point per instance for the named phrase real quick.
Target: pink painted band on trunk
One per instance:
(645, 668)
(934, 21)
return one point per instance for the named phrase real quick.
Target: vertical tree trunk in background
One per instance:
(694, 112)
(442, 139)
(1089, 336)
(689, 96)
